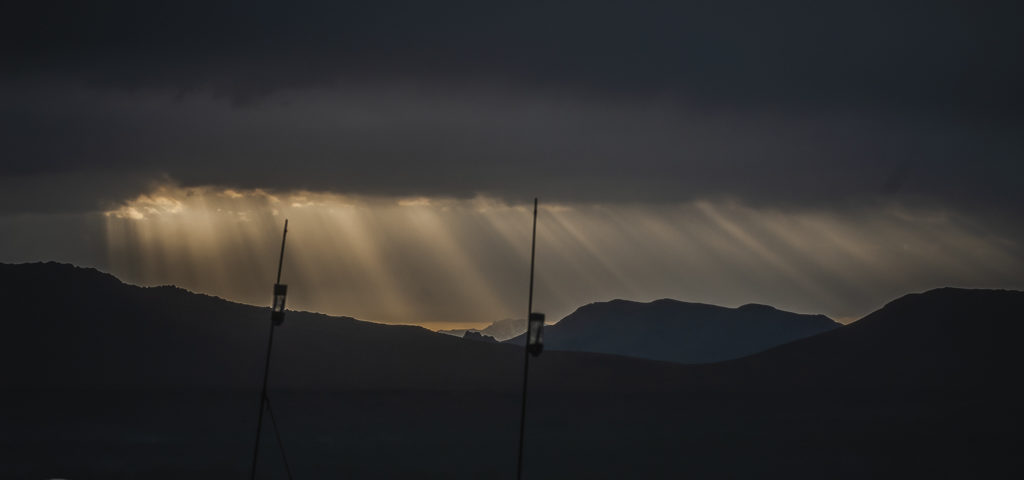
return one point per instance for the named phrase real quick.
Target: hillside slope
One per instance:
(946, 338)
(71, 326)
(670, 330)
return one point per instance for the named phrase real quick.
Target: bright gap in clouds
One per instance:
(441, 262)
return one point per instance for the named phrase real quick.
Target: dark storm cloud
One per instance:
(937, 55)
(809, 103)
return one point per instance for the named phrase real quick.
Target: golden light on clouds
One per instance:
(444, 261)
(158, 203)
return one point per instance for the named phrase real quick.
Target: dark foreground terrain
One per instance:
(106, 380)
(402, 434)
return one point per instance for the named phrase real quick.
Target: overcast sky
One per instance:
(902, 117)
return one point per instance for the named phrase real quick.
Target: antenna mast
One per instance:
(280, 260)
(276, 318)
(532, 343)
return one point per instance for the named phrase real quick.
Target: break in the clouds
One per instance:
(440, 262)
(777, 103)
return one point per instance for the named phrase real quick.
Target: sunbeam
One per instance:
(443, 261)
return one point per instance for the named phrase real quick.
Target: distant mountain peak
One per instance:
(500, 330)
(478, 337)
(677, 331)
(757, 307)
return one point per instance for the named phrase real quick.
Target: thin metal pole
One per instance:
(526, 352)
(263, 402)
(277, 433)
(266, 368)
(280, 260)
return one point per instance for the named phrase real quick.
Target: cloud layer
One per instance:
(779, 104)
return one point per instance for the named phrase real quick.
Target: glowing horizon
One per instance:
(463, 263)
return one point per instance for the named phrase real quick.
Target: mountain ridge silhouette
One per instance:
(501, 330)
(678, 331)
(79, 327)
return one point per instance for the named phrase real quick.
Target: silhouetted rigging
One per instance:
(276, 319)
(534, 345)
